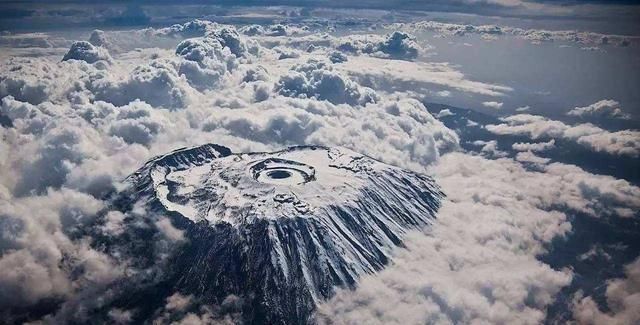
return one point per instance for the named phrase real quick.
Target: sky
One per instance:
(619, 16)
(525, 113)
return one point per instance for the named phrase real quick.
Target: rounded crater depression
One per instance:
(282, 172)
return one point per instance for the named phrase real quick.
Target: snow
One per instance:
(317, 177)
(330, 214)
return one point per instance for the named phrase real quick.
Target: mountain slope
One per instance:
(280, 230)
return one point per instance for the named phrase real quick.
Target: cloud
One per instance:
(535, 126)
(76, 129)
(54, 146)
(591, 48)
(168, 230)
(530, 157)
(156, 83)
(444, 113)
(77, 14)
(535, 147)
(39, 258)
(134, 123)
(316, 79)
(101, 119)
(285, 53)
(228, 37)
(337, 57)
(119, 316)
(478, 262)
(380, 62)
(443, 93)
(85, 51)
(29, 80)
(59, 151)
(193, 28)
(393, 75)
(606, 108)
(205, 62)
(253, 30)
(401, 132)
(494, 105)
(114, 223)
(32, 40)
(596, 251)
(185, 310)
(625, 142)
(100, 38)
(490, 148)
(272, 30)
(591, 194)
(623, 297)
(439, 280)
(532, 35)
(178, 302)
(397, 45)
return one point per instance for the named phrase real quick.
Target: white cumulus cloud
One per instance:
(604, 108)
(623, 298)
(494, 105)
(624, 142)
(478, 263)
(76, 128)
(536, 147)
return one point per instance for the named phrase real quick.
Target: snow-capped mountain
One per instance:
(280, 230)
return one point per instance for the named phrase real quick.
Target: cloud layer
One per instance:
(490, 32)
(478, 263)
(78, 123)
(625, 142)
(623, 298)
(74, 125)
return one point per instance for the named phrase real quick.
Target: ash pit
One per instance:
(278, 174)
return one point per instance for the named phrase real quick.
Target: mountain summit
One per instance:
(280, 230)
